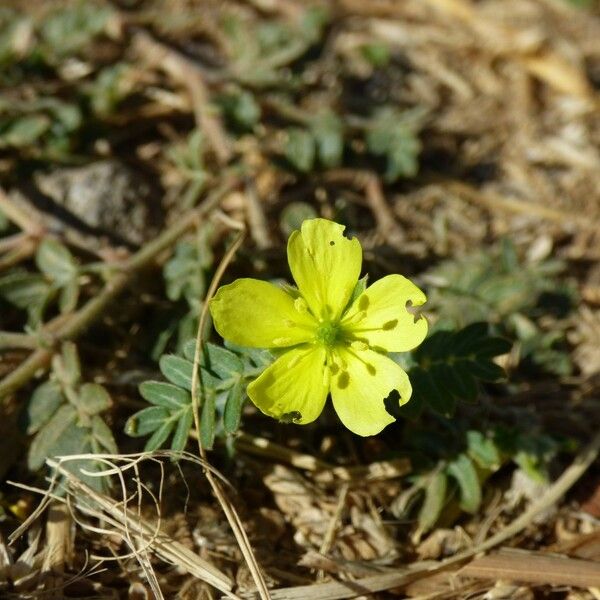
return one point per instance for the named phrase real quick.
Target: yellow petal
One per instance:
(258, 314)
(379, 316)
(325, 266)
(361, 380)
(294, 388)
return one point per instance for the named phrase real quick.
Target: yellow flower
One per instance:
(333, 344)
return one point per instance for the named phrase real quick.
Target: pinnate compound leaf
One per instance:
(449, 364)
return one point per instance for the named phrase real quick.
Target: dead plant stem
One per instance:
(231, 514)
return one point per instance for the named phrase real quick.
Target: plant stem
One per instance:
(17, 340)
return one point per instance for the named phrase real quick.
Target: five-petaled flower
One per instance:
(333, 344)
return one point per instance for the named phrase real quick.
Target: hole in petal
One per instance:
(343, 380)
(392, 402)
(390, 325)
(363, 303)
(291, 417)
(415, 311)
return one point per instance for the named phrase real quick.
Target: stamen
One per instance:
(300, 305)
(359, 345)
(355, 318)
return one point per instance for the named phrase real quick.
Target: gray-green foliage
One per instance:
(224, 375)
(497, 285)
(322, 140)
(453, 462)
(188, 158)
(259, 50)
(67, 30)
(394, 135)
(185, 275)
(57, 280)
(40, 128)
(65, 416)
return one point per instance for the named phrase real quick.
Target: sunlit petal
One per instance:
(325, 265)
(379, 316)
(294, 388)
(360, 383)
(255, 313)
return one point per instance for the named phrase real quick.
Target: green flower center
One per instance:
(328, 333)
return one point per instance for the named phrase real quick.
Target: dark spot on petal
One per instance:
(390, 325)
(332, 243)
(363, 302)
(334, 368)
(291, 417)
(371, 369)
(343, 380)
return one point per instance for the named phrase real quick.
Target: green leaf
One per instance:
(55, 260)
(182, 431)
(160, 435)
(48, 440)
(146, 421)
(69, 295)
(435, 500)
(486, 370)
(438, 397)
(103, 435)
(242, 108)
(328, 133)
(483, 450)
(463, 471)
(232, 414)
(24, 289)
(68, 29)
(393, 135)
(93, 398)
(225, 364)
(163, 394)
(449, 363)
(66, 365)
(359, 288)
(24, 131)
(177, 370)
(43, 403)
(208, 421)
(300, 149)
(184, 273)
(377, 54)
